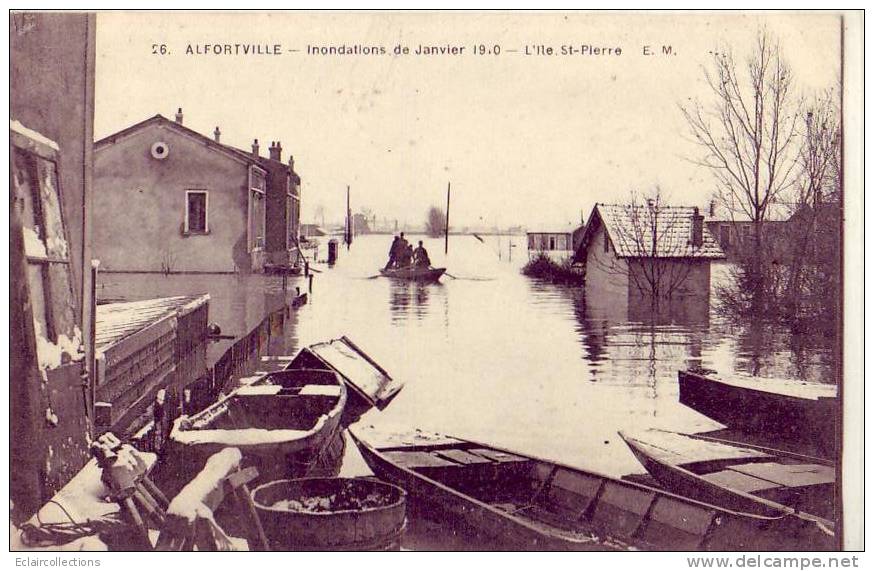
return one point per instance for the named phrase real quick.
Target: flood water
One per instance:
(492, 355)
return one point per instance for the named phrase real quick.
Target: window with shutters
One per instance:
(196, 211)
(36, 196)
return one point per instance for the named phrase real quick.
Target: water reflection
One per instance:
(409, 299)
(500, 358)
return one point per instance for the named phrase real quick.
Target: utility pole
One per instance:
(446, 244)
(348, 219)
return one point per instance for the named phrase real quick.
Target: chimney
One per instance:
(179, 116)
(276, 151)
(255, 147)
(291, 162)
(697, 229)
(217, 134)
(713, 209)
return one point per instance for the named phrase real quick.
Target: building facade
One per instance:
(556, 243)
(168, 199)
(283, 209)
(643, 251)
(52, 58)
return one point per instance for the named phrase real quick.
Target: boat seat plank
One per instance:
(738, 481)
(792, 475)
(258, 390)
(321, 390)
(462, 457)
(497, 455)
(418, 460)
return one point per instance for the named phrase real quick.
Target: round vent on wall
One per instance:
(160, 150)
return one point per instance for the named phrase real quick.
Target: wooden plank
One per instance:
(418, 460)
(497, 455)
(462, 457)
(737, 481)
(679, 449)
(792, 475)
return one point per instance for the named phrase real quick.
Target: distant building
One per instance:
(557, 243)
(360, 224)
(168, 199)
(735, 232)
(312, 231)
(622, 258)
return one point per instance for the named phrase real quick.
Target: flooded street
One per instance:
(549, 374)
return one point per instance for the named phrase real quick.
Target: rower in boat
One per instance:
(420, 257)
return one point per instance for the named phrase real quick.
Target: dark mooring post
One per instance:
(348, 219)
(446, 232)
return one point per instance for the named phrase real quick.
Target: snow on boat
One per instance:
(529, 503)
(428, 274)
(368, 383)
(789, 407)
(744, 478)
(281, 423)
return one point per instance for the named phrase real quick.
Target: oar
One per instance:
(450, 275)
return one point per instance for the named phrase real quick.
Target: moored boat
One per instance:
(414, 273)
(529, 503)
(743, 478)
(281, 423)
(788, 407)
(369, 385)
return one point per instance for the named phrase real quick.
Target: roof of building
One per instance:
(630, 228)
(569, 229)
(160, 119)
(116, 321)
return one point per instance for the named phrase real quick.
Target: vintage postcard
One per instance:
(436, 281)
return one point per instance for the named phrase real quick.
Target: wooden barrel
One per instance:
(342, 514)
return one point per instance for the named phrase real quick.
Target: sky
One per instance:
(533, 140)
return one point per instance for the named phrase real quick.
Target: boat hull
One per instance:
(747, 409)
(414, 274)
(615, 514)
(679, 479)
(263, 429)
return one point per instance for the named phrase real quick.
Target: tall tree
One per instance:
(435, 223)
(747, 132)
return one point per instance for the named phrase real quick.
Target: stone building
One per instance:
(168, 199)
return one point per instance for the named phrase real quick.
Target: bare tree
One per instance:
(436, 222)
(813, 236)
(747, 134)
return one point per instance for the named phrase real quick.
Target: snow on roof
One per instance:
(630, 228)
(569, 229)
(115, 321)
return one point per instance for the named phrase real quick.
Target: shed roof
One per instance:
(116, 321)
(569, 229)
(630, 228)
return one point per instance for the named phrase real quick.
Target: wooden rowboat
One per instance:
(799, 409)
(368, 384)
(413, 273)
(743, 478)
(529, 503)
(281, 423)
